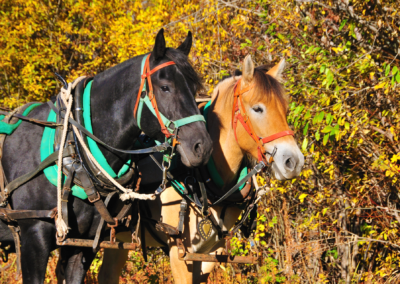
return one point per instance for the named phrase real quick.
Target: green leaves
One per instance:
(318, 118)
(306, 129)
(342, 24)
(304, 145)
(329, 78)
(246, 44)
(330, 132)
(387, 70)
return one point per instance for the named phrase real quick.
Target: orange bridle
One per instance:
(147, 74)
(245, 121)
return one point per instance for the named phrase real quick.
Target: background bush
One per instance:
(336, 223)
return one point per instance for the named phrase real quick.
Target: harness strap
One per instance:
(150, 101)
(177, 123)
(68, 151)
(10, 215)
(65, 195)
(158, 148)
(146, 74)
(276, 136)
(95, 245)
(255, 170)
(203, 192)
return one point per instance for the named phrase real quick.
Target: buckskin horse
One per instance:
(253, 131)
(117, 118)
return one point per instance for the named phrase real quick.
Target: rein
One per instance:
(239, 113)
(148, 98)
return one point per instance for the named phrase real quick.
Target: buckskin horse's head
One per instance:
(174, 88)
(266, 106)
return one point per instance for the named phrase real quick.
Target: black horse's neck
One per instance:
(113, 95)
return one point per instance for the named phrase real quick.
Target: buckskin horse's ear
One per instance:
(186, 45)
(159, 46)
(277, 70)
(248, 70)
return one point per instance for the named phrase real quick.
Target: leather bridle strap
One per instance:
(147, 74)
(150, 101)
(238, 109)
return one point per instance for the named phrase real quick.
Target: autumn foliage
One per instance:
(336, 223)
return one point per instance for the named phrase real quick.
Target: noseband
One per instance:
(239, 113)
(149, 99)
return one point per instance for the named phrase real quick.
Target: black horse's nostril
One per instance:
(198, 148)
(290, 164)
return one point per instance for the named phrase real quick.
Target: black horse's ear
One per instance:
(159, 46)
(186, 45)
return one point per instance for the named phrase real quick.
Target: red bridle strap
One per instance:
(147, 74)
(276, 136)
(246, 123)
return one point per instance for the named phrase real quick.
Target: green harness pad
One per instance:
(47, 148)
(216, 178)
(7, 128)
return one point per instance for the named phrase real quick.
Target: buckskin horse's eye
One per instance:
(165, 88)
(258, 109)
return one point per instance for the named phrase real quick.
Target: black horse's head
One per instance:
(174, 88)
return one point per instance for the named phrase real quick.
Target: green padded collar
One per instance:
(93, 147)
(47, 148)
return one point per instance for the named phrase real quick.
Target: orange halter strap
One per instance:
(238, 108)
(146, 73)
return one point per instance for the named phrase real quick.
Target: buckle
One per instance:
(112, 231)
(97, 198)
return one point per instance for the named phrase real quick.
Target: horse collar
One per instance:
(238, 109)
(149, 100)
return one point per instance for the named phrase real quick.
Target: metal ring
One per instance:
(185, 181)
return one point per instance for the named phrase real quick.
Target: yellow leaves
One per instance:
(335, 49)
(302, 197)
(395, 158)
(324, 211)
(371, 75)
(287, 52)
(380, 85)
(260, 180)
(305, 28)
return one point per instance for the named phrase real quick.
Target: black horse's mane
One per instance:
(183, 64)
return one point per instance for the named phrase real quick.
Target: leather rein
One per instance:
(239, 114)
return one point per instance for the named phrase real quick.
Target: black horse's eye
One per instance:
(165, 88)
(258, 109)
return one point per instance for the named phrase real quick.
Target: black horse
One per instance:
(112, 105)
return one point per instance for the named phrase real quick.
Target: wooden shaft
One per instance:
(104, 244)
(219, 258)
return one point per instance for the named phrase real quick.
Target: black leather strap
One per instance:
(93, 195)
(158, 148)
(101, 225)
(255, 170)
(203, 192)
(10, 215)
(27, 177)
(65, 195)
(124, 211)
